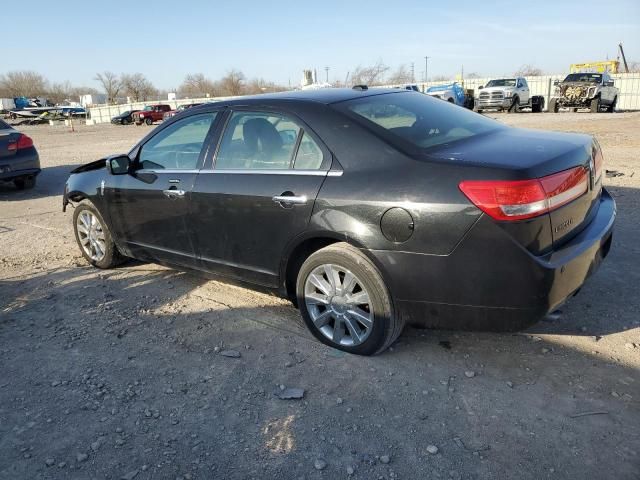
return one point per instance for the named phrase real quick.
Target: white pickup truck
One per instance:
(510, 94)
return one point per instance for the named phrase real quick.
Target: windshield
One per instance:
(419, 120)
(584, 77)
(148, 108)
(125, 114)
(503, 82)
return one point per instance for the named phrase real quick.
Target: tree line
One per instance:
(137, 87)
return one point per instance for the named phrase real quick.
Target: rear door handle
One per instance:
(290, 199)
(174, 193)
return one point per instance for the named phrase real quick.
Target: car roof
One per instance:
(322, 95)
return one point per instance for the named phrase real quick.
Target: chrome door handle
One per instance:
(290, 199)
(174, 193)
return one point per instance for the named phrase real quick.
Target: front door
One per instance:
(149, 208)
(259, 195)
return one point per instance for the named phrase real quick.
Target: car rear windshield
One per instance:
(503, 82)
(584, 77)
(418, 120)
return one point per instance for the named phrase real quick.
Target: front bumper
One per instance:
(488, 104)
(489, 281)
(582, 102)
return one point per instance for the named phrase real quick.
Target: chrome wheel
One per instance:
(339, 305)
(91, 235)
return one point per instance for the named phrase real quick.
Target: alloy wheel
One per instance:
(339, 305)
(91, 235)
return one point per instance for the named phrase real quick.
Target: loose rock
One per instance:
(320, 464)
(432, 449)
(469, 374)
(385, 459)
(230, 353)
(82, 457)
(290, 394)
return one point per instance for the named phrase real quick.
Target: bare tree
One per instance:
(60, 92)
(197, 85)
(232, 83)
(400, 76)
(373, 75)
(440, 78)
(528, 71)
(137, 87)
(111, 85)
(634, 67)
(22, 83)
(472, 75)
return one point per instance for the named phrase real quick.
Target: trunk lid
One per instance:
(512, 154)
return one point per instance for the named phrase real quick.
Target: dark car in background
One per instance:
(19, 160)
(181, 108)
(367, 208)
(125, 118)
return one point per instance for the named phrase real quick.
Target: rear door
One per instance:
(149, 208)
(258, 196)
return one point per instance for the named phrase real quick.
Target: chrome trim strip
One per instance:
(312, 173)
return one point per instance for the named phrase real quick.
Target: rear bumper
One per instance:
(20, 165)
(491, 282)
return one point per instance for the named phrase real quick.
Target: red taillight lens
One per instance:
(598, 163)
(522, 199)
(24, 141)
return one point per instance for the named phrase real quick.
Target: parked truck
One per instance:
(452, 93)
(594, 91)
(510, 94)
(150, 114)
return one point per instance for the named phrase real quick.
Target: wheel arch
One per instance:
(305, 246)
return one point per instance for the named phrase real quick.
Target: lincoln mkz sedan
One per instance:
(368, 208)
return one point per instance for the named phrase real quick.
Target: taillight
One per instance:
(521, 199)
(24, 141)
(598, 163)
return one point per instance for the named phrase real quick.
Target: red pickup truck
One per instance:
(150, 114)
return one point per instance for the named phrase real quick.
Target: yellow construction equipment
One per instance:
(610, 66)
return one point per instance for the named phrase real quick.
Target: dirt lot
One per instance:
(120, 374)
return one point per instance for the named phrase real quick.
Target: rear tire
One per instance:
(25, 183)
(595, 105)
(328, 310)
(611, 108)
(109, 256)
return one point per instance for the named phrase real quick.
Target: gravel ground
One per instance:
(149, 373)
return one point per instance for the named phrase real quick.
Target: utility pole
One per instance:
(413, 73)
(426, 69)
(326, 69)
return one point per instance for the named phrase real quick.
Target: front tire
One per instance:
(345, 302)
(612, 107)
(515, 106)
(94, 237)
(149, 121)
(553, 106)
(595, 105)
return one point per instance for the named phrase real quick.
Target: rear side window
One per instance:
(415, 120)
(258, 141)
(177, 146)
(309, 155)
(4, 125)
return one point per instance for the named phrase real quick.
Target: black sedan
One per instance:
(367, 208)
(19, 160)
(125, 118)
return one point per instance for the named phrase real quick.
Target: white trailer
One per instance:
(7, 104)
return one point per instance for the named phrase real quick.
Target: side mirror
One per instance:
(480, 87)
(608, 83)
(556, 82)
(118, 165)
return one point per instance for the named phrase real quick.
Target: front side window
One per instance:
(255, 140)
(417, 120)
(177, 146)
